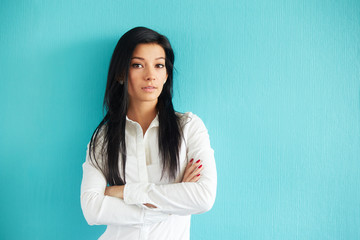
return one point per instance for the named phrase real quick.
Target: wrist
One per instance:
(121, 191)
(115, 191)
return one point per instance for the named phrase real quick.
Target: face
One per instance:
(147, 73)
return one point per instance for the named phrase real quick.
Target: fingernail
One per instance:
(198, 161)
(200, 166)
(191, 160)
(198, 175)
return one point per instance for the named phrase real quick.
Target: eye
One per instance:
(160, 65)
(136, 65)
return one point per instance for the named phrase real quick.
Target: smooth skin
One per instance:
(147, 75)
(147, 69)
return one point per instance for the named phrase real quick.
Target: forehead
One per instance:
(148, 51)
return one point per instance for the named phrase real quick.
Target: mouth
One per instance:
(149, 88)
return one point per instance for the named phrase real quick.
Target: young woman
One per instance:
(148, 168)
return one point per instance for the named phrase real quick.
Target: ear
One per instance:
(119, 80)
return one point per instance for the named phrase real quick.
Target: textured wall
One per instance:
(276, 83)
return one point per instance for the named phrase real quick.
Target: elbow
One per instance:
(207, 200)
(89, 208)
(207, 205)
(90, 219)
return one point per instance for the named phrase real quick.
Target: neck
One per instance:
(142, 113)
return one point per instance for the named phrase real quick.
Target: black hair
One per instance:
(116, 102)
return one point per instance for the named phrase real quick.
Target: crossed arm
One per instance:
(138, 203)
(103, 205)
(192, 174)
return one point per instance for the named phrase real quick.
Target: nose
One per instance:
(150, 74)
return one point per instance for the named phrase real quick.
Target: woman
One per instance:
(148, 168)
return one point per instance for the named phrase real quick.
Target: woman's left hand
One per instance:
(192, 171)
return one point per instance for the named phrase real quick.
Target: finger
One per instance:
(195, 178)
(188, 166)
(190, 163)
(191, 166)
(195, 165)
(149, 205)
(195, 172)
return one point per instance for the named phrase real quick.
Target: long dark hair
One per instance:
(111, 129)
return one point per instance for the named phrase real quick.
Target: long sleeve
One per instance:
(99, 209)
(182, 198)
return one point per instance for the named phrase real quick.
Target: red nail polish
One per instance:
(198, 161)
(200, 166)
(191, 160)
(198, 175)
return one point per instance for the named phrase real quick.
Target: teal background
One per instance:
(276, 83)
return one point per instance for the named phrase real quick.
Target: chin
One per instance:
(148, 99)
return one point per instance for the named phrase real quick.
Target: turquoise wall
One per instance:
(277, 84)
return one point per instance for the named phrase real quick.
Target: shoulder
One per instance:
(190, 121)
(98, 138)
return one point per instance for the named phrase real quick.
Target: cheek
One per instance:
(164, 75)
(131, 84)
(161, 87)
(134, 78)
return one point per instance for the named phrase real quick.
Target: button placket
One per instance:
(141, 157)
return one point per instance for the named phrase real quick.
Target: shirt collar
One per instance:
(154, 123)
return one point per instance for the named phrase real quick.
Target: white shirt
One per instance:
(175, 201)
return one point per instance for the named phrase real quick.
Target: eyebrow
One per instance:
(144, 59)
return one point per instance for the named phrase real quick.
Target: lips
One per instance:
(149, 89)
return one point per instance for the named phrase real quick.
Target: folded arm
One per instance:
(100, 209)
(186, 197)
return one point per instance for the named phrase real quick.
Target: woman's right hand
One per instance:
(192, 171)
